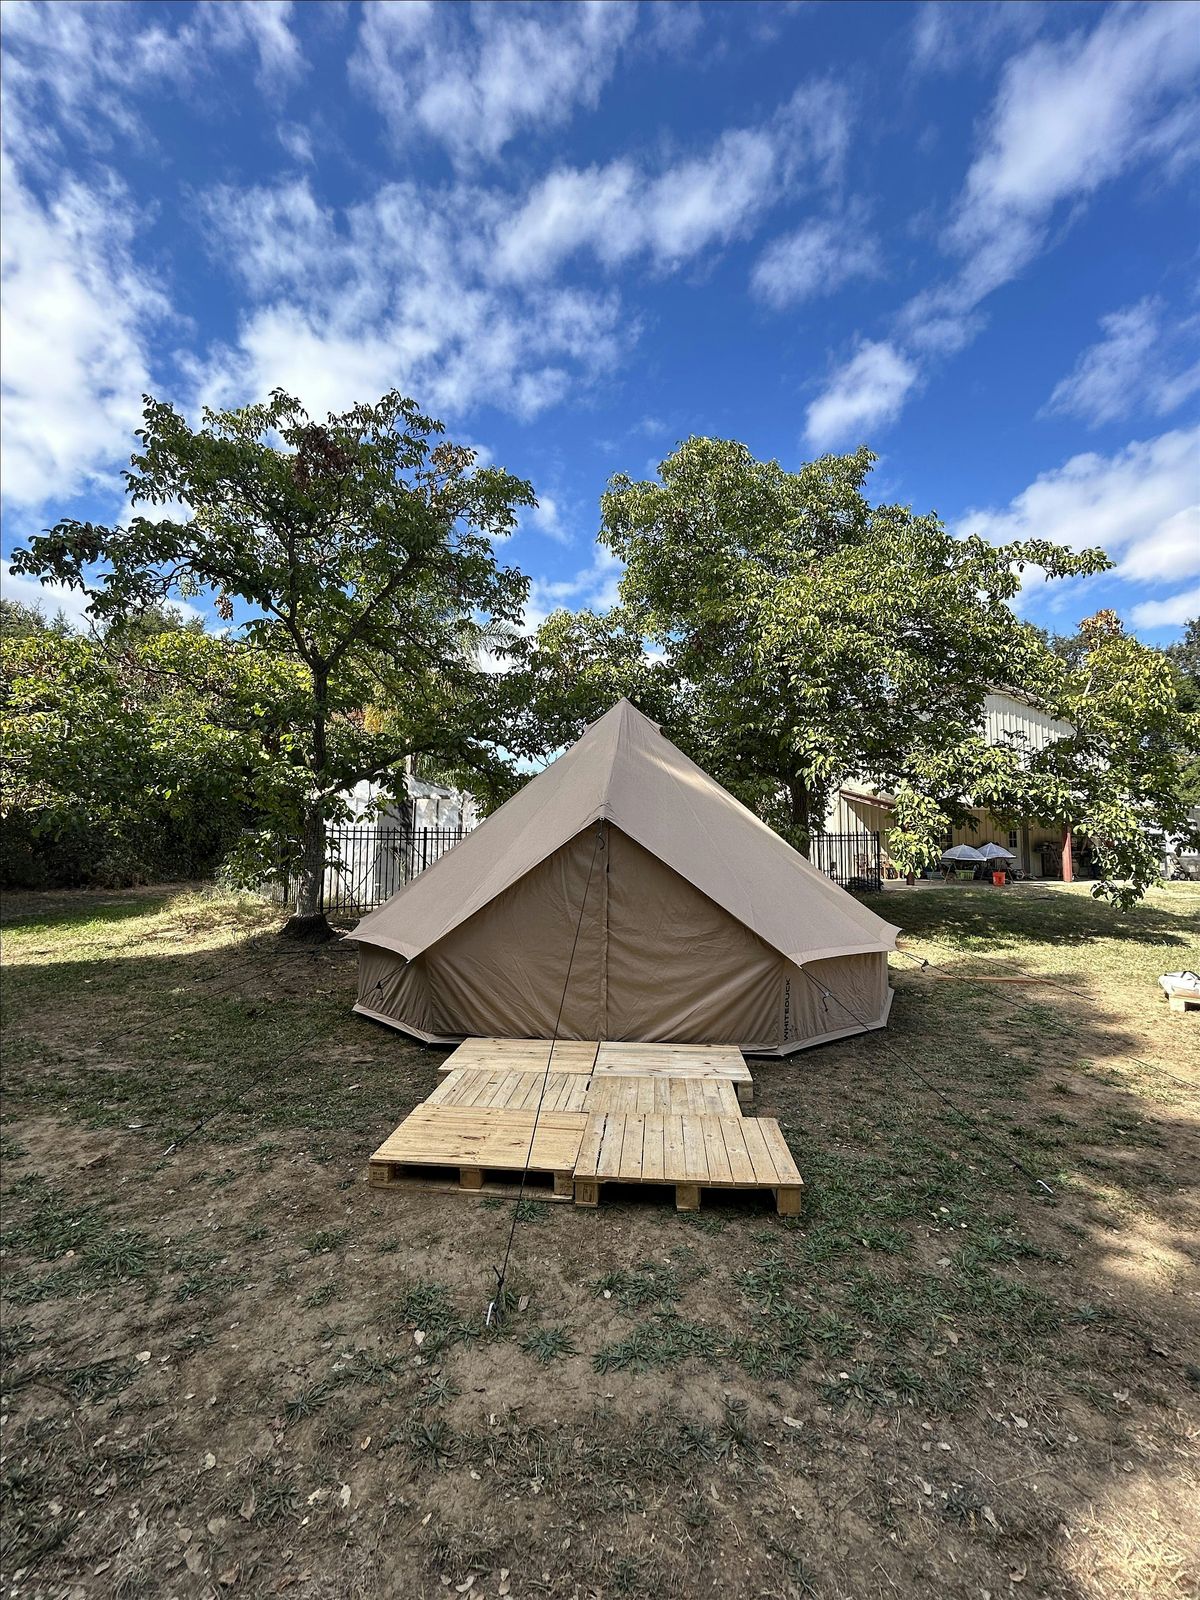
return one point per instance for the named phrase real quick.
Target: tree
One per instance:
(1184, 658)
(823, 637)
(361, 550)
(20, 621)
(111, 771)
(575, 668)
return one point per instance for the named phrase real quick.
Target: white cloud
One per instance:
(546, 518)
(472, 78)
(618, 211)
(78, 313)
(865, 393)
(595, 586)
(394, 292)
(88, 67)
(1172, 612)
(1069, 116)
(1128, 368)
(49, 598)
(947, 36)
(1139, 505)
(816, 259)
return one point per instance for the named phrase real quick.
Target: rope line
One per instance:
(495, 1310)
(963, 1116)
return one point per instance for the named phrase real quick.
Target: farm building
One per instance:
(1037, 847)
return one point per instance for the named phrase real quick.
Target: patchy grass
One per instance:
(230, 1365)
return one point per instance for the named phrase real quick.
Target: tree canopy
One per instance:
(803, 636)
(356, 557)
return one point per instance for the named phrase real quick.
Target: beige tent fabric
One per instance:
(655, 961)
(625, 771)
(696, 923)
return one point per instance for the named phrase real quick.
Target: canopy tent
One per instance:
(693, 922)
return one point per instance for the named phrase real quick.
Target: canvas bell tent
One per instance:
(691, 921)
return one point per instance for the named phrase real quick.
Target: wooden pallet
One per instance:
(689, 1152)
(703, 1061)
(1184, 1000)
(521, 1055)
(512, 1091)
(699, 1097)
(478, 1141)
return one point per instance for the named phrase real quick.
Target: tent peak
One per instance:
(622, 710)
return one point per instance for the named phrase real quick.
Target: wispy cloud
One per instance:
(620, 210)
(1139, 505)
(474, 77)
(1135, 365)
(71, 287)
(394, 291)
(1068, 117)
(865, 393)
(816, 259)
(1172, 612)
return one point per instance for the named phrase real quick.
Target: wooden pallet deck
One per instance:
(477, 1141)
(513, 1091)
(699, 1097)
(689, 1152)
(521, 1055)
(610, 1113)
(703, 1061)
(1183, 1000)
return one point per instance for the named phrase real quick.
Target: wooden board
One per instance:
(702, 1061)
(479, 1140)
(512, 1091)
(690, 1152)
(521, 1055)
(1183, 1000)
(702, 1097)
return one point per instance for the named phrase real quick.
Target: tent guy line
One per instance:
(963, 1116)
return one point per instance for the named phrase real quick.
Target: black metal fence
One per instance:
(365, 865)
(854, 860)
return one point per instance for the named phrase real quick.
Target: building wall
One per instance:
(1006, 720)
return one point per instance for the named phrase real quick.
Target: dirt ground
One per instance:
(232, 1368)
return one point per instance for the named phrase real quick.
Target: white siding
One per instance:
(1004, 716)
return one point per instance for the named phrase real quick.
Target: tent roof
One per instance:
(625, 771)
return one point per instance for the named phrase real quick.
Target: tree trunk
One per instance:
(801, 805)
(308, 921)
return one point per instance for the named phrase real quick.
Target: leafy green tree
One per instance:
(111, 770)
(361, 551)
(19, 621)
(1185, 662)
(577, 666)
(824, 637)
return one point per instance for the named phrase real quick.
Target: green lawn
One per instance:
(232, 1367)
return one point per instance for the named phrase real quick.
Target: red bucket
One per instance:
(1000, 878)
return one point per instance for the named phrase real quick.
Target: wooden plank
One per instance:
(674, 1159)
(631, 1149)
(653, 1161)
(484, 1138)
(589, 1147)
(714, 1150)
(741, 1167)
(785, 1164)
(756, 1145)
(695, 1160)
(521, 1055)
(608, 1165)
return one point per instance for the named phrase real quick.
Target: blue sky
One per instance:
(962, 234)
